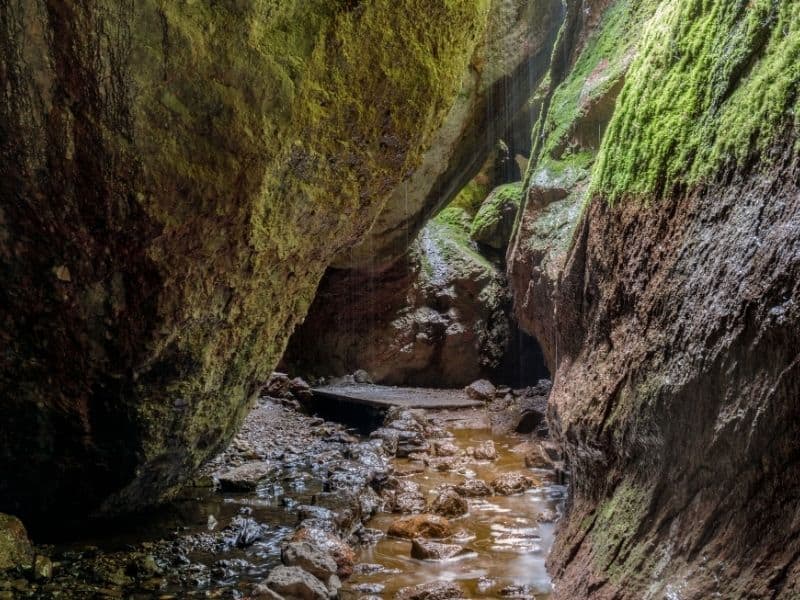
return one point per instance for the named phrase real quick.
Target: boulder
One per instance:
(512, 483)
(474, 488)
(494, 221)
(389, 437)
(421, 526)
(277, 385)
(310, 558)
(329, 543)
(485, 451)
(300, 388)
(538, 458)
(182, 223)
(294, 583)
(243, 531)
(427, 550)
(246, 477)
(445, 448)
(438, 590)
(406, 498)
(481, 389)
(449, 503)
(16, 550)
(361, 376)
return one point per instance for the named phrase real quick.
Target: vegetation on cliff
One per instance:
(714, 83)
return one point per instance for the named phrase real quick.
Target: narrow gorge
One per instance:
(414, 299)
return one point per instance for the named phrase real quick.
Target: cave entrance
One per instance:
(439, 316)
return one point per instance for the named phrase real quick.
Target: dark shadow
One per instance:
(523, 364)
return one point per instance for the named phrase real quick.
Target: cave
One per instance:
(400, 299)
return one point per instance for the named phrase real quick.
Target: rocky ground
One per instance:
(283, 511)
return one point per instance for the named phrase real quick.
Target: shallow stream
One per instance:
(509, 545)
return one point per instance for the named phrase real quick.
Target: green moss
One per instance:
(470, 197)
(715, 82)
(494, 220)
(600, 64)
(618, 518)
(269, 135)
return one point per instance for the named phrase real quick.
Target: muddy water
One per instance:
(509, 545)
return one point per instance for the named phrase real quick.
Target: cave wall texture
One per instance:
(657, 260)
(176, 177)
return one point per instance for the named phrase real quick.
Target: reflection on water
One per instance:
(510, 544)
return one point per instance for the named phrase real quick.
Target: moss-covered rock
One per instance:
(579, 96)
(715, 83)
(16, 550)
(494, 221)
(661, 276)
(178, 176)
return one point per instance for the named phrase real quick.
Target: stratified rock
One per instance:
(427, 550)
(421, 526)
(481, 390)
(449, 503)
(175, 182)
(439, 590)
(16, 550)
(295, 583)
(246, 477)
(512, 483)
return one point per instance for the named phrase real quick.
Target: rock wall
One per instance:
(496, 101)
(176, 178)
(437, 317)
(669, 310)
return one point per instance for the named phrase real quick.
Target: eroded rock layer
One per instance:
(670, 316)
(176, 178)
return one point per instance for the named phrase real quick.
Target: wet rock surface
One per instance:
(261, 503)
(488, 541)
(283, 512)
(439, 590)
(426, 526)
